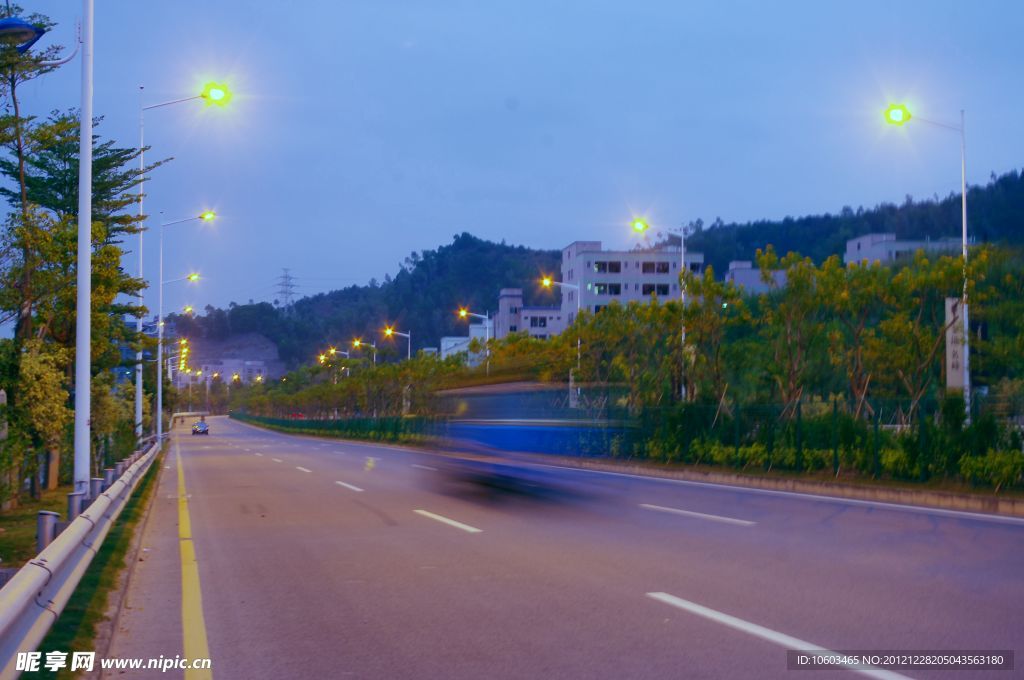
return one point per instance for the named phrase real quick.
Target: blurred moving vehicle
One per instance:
(200, 427)
(497, 430)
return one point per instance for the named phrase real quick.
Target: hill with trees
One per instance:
(995, 214)
(470, 271)
(423, 296)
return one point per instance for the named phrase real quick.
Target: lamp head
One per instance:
(897, 114)
(640, 225)
(463, 312)
(207, 216)
(546, 282)
(193, 277)
(216, 94)
(357, 343)
(389, 331)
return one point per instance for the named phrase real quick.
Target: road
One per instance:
(334, 559)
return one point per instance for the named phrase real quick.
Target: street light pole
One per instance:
(547, 282)
(83, 340)
(138, 320)
(389, 331)
(212, 93)
(640, 226)
(464, 313)
(682, 311)
(206, 216)
(898, 114)
(963, 246)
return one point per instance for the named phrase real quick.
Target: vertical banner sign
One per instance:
(954, 344)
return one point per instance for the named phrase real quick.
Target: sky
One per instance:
(363, 130)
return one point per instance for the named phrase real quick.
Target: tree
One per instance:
(713, 309)
(905, 352)
(791, 323)
(43, 401)
(854, 297)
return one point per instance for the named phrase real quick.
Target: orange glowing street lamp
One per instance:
(359, 343)
(389, 332)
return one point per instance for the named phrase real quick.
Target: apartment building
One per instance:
(887, 249)
(513, 316)
(599, 276)
(743, 274)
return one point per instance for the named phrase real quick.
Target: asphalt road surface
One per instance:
(332, 559)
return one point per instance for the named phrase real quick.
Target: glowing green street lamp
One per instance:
(897, 114)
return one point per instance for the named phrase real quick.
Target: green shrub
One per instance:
(1001, 469)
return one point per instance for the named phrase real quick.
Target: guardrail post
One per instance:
(46, 529)
(118, 469)
(75, 502)
(95, 487)
(108, 478)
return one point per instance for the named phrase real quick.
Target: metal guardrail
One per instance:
(34, 597)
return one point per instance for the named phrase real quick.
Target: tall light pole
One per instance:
(641, 226)
(389, 331)
(548, 282)
(214, 94)
(357, 343)
(466, 314)
(205, 217)
(83, 316)
(899, 115)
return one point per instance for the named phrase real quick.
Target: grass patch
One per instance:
(75, 630)
(18, 526)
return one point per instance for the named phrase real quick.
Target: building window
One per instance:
(648, 268)
(675, 265)
(615, 289)
(695, 267)
(662, 268)
(662, 289)
(648, 288)
(601, 288)
(538, 322)
(597, 308)
(541, 336)
(512, 329)
(608, 267)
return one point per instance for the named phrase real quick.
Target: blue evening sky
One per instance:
(362, 130)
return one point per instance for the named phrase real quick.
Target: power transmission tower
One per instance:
(286, 288)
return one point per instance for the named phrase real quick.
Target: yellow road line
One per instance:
(192, 621)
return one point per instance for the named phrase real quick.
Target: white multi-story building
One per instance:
(624, 275)
(743, 274)
(885, 248)
(539, 322)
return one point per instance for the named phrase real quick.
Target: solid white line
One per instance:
(348, 486)
(921, 509)
(424, 467)
(698, 515)
(780, 639)
(276, 460)
(449, 522)
(299, 467)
